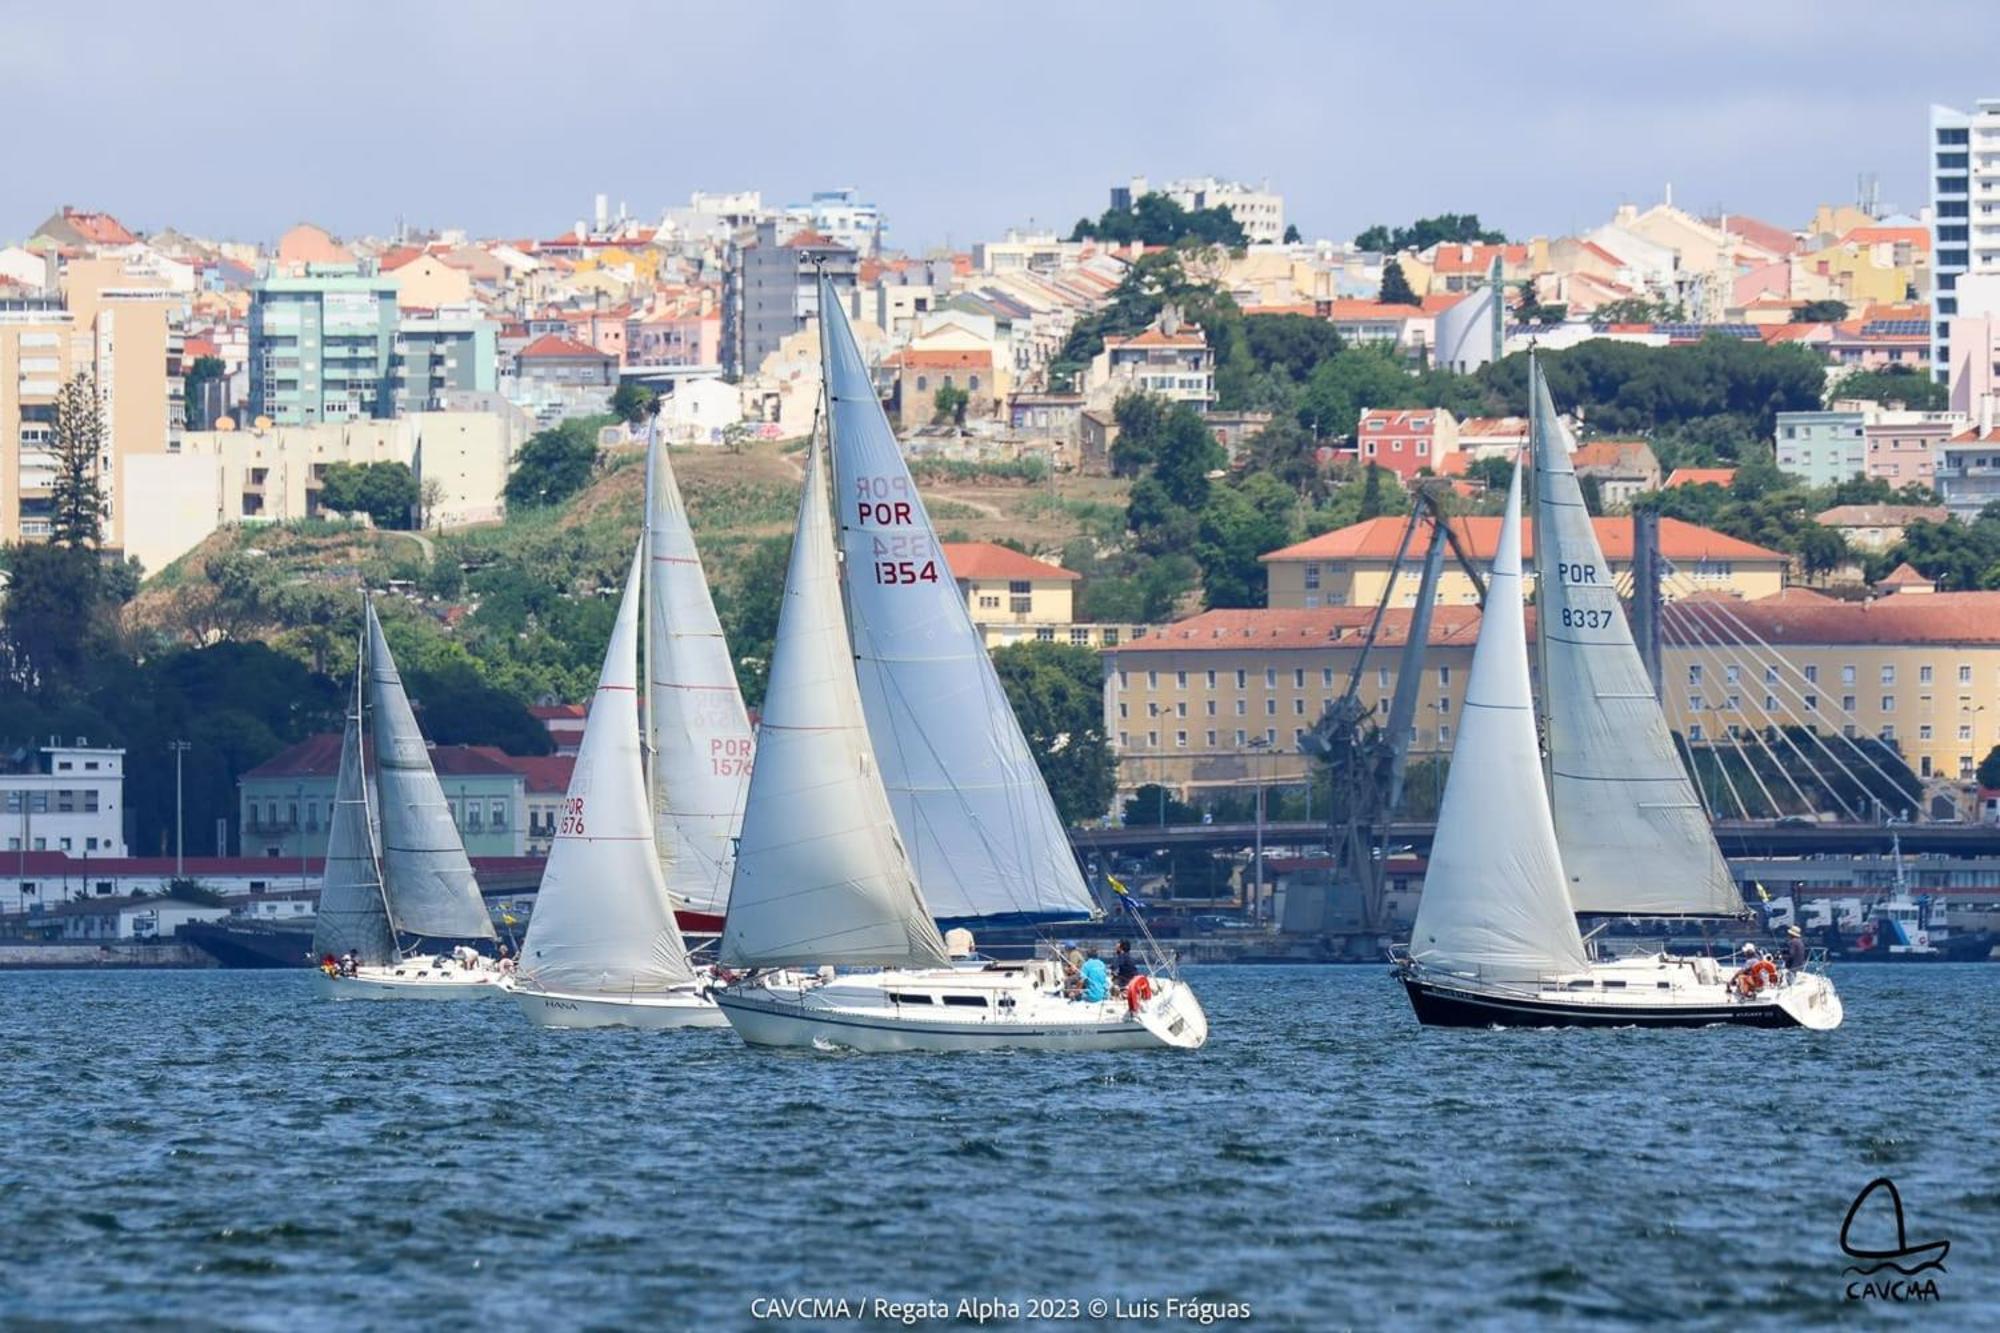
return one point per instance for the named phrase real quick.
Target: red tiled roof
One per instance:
(939, 359)
(98, 228)
(1378, 538)
(990, 560)
(1458, 257)
(543, 772)
(1354, 311)
(1763, 234)
(1397, 421)
(1506, 428)
(1940, 618)
(1876, 516)
(318, 756)
(1264, 629)
(1191, 336)
(1700, 476)
(556, 346)
(548, 712)
(396, 256)
(1919, 237)
(1904, 575)
(1608, 453)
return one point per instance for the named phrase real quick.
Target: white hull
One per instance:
(997, 1008)
(412, 980)
(686, 1008)
(1656, 991)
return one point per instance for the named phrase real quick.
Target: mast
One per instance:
(1538, 435)
(368, 785)
(649, 741)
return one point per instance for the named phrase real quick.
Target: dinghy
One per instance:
(893, 788)
(602, 948)
(406, 906)
(1612, 826)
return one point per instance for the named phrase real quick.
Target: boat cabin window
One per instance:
(1580, 985)
(905, 997)
(1609, 985)
(1663, 985)
(967, 1001)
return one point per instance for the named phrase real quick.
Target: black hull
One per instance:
(256, 947)
(1454, 1007)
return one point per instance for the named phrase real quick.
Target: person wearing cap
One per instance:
(1795, 948)
(1756, 973)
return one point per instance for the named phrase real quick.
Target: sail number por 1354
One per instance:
(572, 817)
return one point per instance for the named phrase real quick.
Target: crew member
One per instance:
(1757, 972)
(1795, 948)
(1096, 978)
(1123, 965)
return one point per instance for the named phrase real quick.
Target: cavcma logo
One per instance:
(1890, 1274)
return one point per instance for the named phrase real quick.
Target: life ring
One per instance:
(1865, 943)
(1923, 939)
(1138, 990)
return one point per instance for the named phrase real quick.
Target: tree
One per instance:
(735, 435)
(1154, 806)
(1372, 502)
(632, 402)
(1821, 550)
(553, 465)
(1292, 236)
(1530, 310)
(1057, 693)
(1895, 384)
(1820, 312)
(1240, 523)
(749, 612)
(51, 616)
(76, 503)
(1396, 289)
(205, 370)
(1458, 228)
(430, 494)
(385, 491)
(1297, 344)
(1156, 219)
(949, 404)
(1989, 769)
(1639, 310)
(1357, 377)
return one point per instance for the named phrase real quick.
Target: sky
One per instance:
(506, 117)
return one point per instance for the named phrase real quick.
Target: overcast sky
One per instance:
(506, 117)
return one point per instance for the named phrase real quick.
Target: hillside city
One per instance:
(1171, 449)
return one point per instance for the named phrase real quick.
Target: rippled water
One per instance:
(220, 1148)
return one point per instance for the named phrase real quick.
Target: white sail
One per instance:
(821, 876)
(700, 733)
(1635, 839)
(424, 867)
(603, 923)
(353, 913)
(982, 832)
(1493, 901)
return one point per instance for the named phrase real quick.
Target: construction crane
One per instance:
(1366, 762)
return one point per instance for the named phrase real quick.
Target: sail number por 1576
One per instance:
(729, 756)
(572, 817)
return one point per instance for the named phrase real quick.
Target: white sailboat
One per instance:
(602, 948)
(429, 903)
(1611, 827)
(699, 741)
(893, 787)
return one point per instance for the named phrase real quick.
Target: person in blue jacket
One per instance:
(1096, 978)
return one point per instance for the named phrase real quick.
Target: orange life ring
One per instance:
(1138, 990)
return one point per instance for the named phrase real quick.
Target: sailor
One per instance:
(1071, 958)
(1757, 972)
(1096, 978)
(1795, 948)
(1123, 965)
(349, 964)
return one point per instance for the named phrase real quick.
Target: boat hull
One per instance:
(1809, 1003)
(671, 1010)
(416, 983)
(848, 1017)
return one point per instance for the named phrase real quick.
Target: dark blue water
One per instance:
(220, 1149)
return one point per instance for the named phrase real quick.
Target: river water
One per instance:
(220, 1149)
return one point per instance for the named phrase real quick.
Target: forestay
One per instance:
(603, 923)
(821, 876)
(1635, 839)
(429, 881)
(1493, 901)
(982, 832)
(700, 733)
(352, 913)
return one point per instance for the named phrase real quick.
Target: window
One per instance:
(1770, 675)
(1312, 577)
(499, 819)
(1270, 678)
(1694, 732)
(1888, 673)
(1732, 674)
(1888, 703)
(1965, 673)
(1444, 706)
(1381, 678)
(1298, 707)
(1444, 735)
(1122, 710)
(1211, 707)
(1153, 740)
(1846, 703)
(1180, 709)
(1180, 740)
(1924, 731)
(1152, 680)
(1270, 735)
(1241, 707)
(1694, 673)
(1180, 680)
(1770, 703)
(1889, 732)
(1733, 703)
(1211, 740)
(1847, 675)
(1211, 680)
(1242, 737)
(1923, 675)
(1124, 681)
(1153, 709)
(1812, 703)
(1242, 678)
(1965, 733)
(923, 382)
(1812, 675)
(1326, 677)
(1270, 708)
(1694, 703)
(989, 602)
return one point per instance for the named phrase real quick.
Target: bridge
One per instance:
(1738, 838)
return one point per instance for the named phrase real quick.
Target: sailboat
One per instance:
(893, 790)
(401, 903)
(1610, 825)
(699, 746)
(602, 948)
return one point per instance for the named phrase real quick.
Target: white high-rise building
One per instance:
(1965, 220)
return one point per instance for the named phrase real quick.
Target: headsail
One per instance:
(429, 880)
(602, 921)
(821, 876)
(1493, 901)
(700, 733)
(1635, 839)
(353, 913)
(982, 832)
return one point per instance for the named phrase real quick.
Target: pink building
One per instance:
(1901, 447)
(1406, 441)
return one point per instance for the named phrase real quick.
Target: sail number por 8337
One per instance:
(572, 817)
(1583, 617)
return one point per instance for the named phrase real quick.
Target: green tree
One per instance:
(1297, 344)
(1896, 384)
(949, 404)
(1241, 522)
(205, 370)
(632, 402)
(1396, 289)
(1156, 219)
(1358, 377)
(1057, 693)
(385, 491)
(1989, 769)
(1820, 312)
(1292, 236)
(54, 616)
(1153, 806)
(1821, 550)
(1457, 228)
(554, 464)
(76, 503)
(1373, 504)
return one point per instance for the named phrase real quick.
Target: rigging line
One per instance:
(1696, 607)
(1730, 730)
(1774, 669)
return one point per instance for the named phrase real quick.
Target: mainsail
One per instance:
(429, 881)
(982, 832)
(821, 876)
(1493, 901)
(700, 733)
(603, 922)
(1635, 839)
(353, 913)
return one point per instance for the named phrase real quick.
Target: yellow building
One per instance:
(1015, 598)
(1222, 699)
(1350, 566)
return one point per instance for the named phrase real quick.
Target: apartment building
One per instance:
(770, 291)
(1350, 566)
(1405, 441)
(1822, 448)
(321, 345)
(287, 801)
(1015, 598)
(1967, 472)
(1965, 215)
(437, 355)
(64, 798)
(1170, 360)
